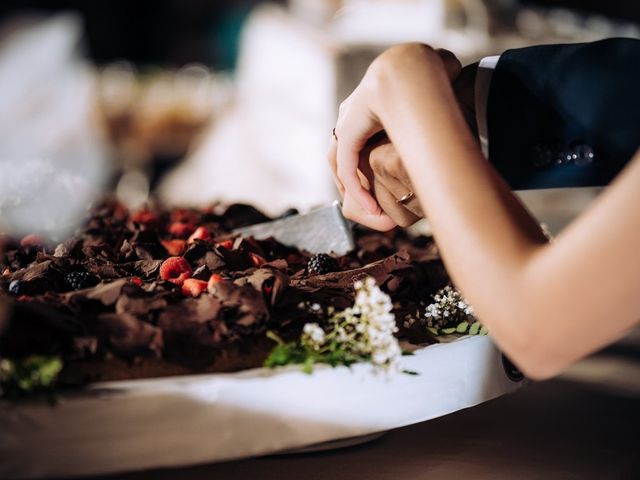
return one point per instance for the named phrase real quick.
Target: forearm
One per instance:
(486, 237)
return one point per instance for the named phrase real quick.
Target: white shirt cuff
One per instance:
(483, 82)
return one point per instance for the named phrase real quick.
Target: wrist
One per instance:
(397, 67)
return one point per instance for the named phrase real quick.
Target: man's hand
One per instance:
(389, 181)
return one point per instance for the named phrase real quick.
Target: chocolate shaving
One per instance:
(193, 330)
(269, 281)
(38, 277)
(142, 268)
(243, 304)
(140, 305)
(129, 336)
(240, 215)
(105, 293)
(382, 271)
(200, 253)
(147, 246)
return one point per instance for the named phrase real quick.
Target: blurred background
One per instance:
(194, 101)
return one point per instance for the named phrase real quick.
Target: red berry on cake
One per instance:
(193, 287)
(184, 215)
(180, 229)
(214, 279)
(175, 270)
(31, 240)
(144, 217)
(228, 244)
(200, 233)
(136, 281)
(174, 247)
(257, 260)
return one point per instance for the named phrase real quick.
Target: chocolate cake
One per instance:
(153, 293)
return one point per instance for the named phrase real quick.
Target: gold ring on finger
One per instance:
(406, 198)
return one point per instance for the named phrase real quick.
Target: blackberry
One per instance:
(15, 287)
(321, 263)
(80, 280)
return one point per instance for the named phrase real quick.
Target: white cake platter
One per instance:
(177, 421)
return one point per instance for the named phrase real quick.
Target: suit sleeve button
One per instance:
(584, 154)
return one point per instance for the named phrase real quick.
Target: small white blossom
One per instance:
(364, 330)
(373, 325)
(447, 310)
(313, 335)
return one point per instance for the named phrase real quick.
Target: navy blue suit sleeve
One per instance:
(565, 115)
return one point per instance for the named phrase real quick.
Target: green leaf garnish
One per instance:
(475, 328)
(462, 327)
(36, 373)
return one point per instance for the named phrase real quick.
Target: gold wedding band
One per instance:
(406, 198)
(334, 134)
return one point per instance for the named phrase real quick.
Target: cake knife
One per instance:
(323, 230)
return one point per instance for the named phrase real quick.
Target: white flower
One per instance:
(313, 335)
(364, 330)
(373, 325)
(447, 310)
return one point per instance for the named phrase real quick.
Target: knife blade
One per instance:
(323, 230)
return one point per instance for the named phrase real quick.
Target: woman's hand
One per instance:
(357, 124)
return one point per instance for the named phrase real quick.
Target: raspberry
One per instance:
(228, 244)
(175, 270)
(267, 287)
(184, 215)
(80, 280)
(193, 287)
(257, 260)
(174, 247)
(15, 287)
(144, 217)
(136, 281)
(180, 229)
(200, 233)
(31, 240)
(321, 263)
(214, 279)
